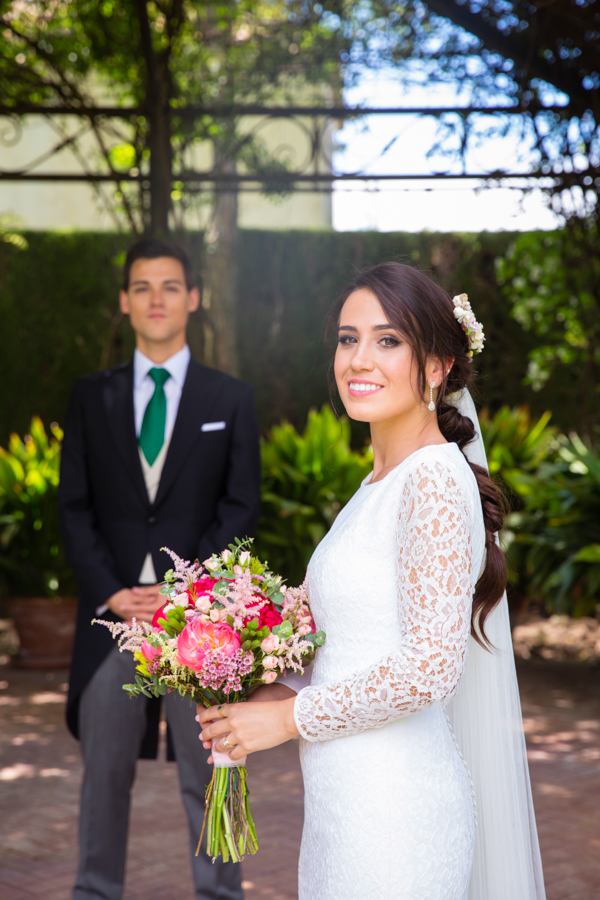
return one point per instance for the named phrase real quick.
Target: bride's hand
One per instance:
(248, 727)
(276, 691)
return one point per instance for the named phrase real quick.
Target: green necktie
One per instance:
(152, 435)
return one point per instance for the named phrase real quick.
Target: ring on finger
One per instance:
(227, 744)
(220, 709)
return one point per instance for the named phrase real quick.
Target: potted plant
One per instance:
(33, 567)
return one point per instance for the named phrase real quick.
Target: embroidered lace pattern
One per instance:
(436, 582)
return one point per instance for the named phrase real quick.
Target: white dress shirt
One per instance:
(143, 386)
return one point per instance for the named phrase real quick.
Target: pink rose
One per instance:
(269, 677)
(270, 644)
(199, 637)
(204, 585)
(269, 615)
(202, 591)
(270, 662)
(159, 614)
(150, 653)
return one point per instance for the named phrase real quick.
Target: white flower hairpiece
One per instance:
(469, 324)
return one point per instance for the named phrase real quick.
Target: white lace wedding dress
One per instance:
(389, 811)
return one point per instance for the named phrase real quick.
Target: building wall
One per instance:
(67, 206)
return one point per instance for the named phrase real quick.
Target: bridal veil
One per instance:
(486, 717)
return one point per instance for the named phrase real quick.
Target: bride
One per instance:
(411, 739)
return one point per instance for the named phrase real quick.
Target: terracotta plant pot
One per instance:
(46, 629)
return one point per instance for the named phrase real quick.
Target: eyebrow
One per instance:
(167, 281)
(386, 327)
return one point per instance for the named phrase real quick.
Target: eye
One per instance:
(345, 339)
(389, 341)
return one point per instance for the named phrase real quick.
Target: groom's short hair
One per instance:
(154, 248)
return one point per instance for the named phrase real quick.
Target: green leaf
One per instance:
(589, 554)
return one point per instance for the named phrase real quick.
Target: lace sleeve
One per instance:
(434, 604)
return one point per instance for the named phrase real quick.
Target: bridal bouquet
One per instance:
(227, 626)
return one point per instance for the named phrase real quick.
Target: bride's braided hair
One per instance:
(424, 314)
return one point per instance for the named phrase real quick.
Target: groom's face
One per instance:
(157, 299)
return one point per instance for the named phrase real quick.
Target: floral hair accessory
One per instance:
(469, 324)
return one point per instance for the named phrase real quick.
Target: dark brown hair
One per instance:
(155, 248)
(423, 313)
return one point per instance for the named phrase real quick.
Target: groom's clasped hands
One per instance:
(138, 602)
(265, 721)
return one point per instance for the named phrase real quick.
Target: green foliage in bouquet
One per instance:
(32, 560)
(307, 478)
(554, 541)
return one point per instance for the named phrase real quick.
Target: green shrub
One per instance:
(306, 480)
(516, 446)
(551, 282)
(32, 560)
(554, 541)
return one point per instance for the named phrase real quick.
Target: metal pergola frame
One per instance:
(314, 181)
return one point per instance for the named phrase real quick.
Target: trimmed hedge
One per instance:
(58, 303)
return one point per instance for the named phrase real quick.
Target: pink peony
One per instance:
(198, 638)
(150, 653)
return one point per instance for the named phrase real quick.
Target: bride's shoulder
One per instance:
(441, 470)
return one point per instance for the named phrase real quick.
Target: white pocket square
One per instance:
(213, 426)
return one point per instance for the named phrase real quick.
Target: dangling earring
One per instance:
(431, 403)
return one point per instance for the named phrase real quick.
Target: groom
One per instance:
(159, 452)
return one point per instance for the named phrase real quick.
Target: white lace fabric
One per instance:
(436, 582)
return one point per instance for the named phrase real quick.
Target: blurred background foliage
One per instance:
(552, 531)
(32, 558)
(552, 283)
(306, 480)
(58, 304)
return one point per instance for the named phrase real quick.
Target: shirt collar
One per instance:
(176, 366)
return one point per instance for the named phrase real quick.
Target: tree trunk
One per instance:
(157, 111)
(221, 276)
(159, 143)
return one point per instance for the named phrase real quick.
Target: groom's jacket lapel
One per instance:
(118, 403)
(199, 395)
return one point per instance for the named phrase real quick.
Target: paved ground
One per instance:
(40, 775)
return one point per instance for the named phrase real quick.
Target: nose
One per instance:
(361, 359)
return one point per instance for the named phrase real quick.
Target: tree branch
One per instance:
(516, 46)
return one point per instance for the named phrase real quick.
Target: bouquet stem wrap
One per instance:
(230, 829)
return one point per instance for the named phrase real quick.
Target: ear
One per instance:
(193, 299)
(124, 302)
(436, 370)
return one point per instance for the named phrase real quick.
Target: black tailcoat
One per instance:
(209, 493)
